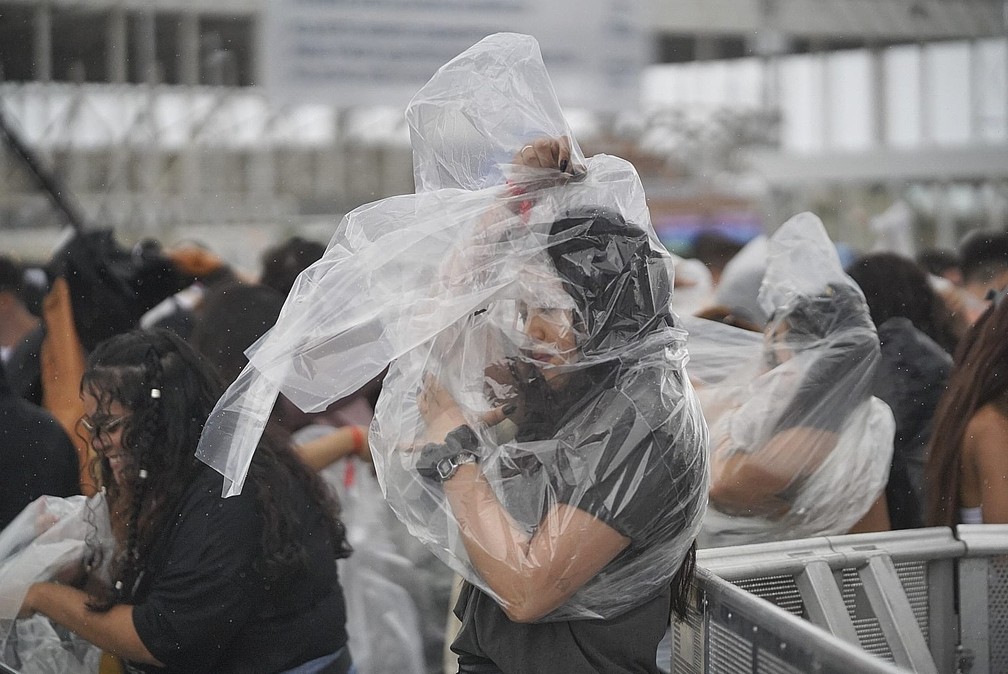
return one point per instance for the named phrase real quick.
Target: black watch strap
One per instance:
(438, 461)
(462, 439)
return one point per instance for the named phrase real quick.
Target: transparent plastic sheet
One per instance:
(741, 280)
(694, 286)
(446, 285)
(718, 351)
(49, 538)
(798, 445)
(38, 646)
(376, 579)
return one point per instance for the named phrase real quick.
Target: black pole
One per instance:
(49, 183)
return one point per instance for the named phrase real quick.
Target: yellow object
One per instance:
(110, 664)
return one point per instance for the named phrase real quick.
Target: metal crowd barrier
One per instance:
(983, 597)
(921, 600)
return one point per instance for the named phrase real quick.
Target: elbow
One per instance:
(739, 497)
(526, 612)
(724, 492)
(530, 601)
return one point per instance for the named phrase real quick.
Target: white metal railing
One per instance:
(925, 600)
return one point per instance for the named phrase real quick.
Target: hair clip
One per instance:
(155, 393)
(143, 474)
(119, 585)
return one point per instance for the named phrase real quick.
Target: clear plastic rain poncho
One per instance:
(376, 576)
(799, 447)
(511, 290)
(49, 539)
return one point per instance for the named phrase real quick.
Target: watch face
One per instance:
(446, 468)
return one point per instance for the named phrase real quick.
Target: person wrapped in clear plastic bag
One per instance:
(799, 447)
(536, 428)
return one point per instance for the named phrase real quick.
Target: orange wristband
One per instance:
(358, 438)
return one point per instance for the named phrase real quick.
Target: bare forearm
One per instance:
(531, 575)
(497, 547)
(743, 487)
(112, 630)
(750, 483)
(323, 451)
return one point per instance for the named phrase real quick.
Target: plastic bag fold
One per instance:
(51, 537)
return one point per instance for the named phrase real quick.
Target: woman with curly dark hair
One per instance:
(967, 470)
(199, 583)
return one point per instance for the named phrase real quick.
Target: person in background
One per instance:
(282, 263)
(820, 358)
(232, 317)
(967, 470)
(200, 583)
(983, 263)
(983, 258)
(799, 446)
(16, 321)
(915, 338)
(722, 314)
(21, 334)
(941, 263)
(36, 456)
(715, 250)
(179, 312)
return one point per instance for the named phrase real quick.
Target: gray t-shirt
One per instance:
(626, 468)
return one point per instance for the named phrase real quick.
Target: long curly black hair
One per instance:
(168, 391)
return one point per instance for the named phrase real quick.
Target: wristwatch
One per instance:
(439, 461)
(447, 466)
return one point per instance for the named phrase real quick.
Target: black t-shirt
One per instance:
(624, 644)
(200, 606)
(620, 460)
(36, 455)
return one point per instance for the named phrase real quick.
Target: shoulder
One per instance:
(27, 425)
(985, 440)
(986, 420)
(18, 411)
